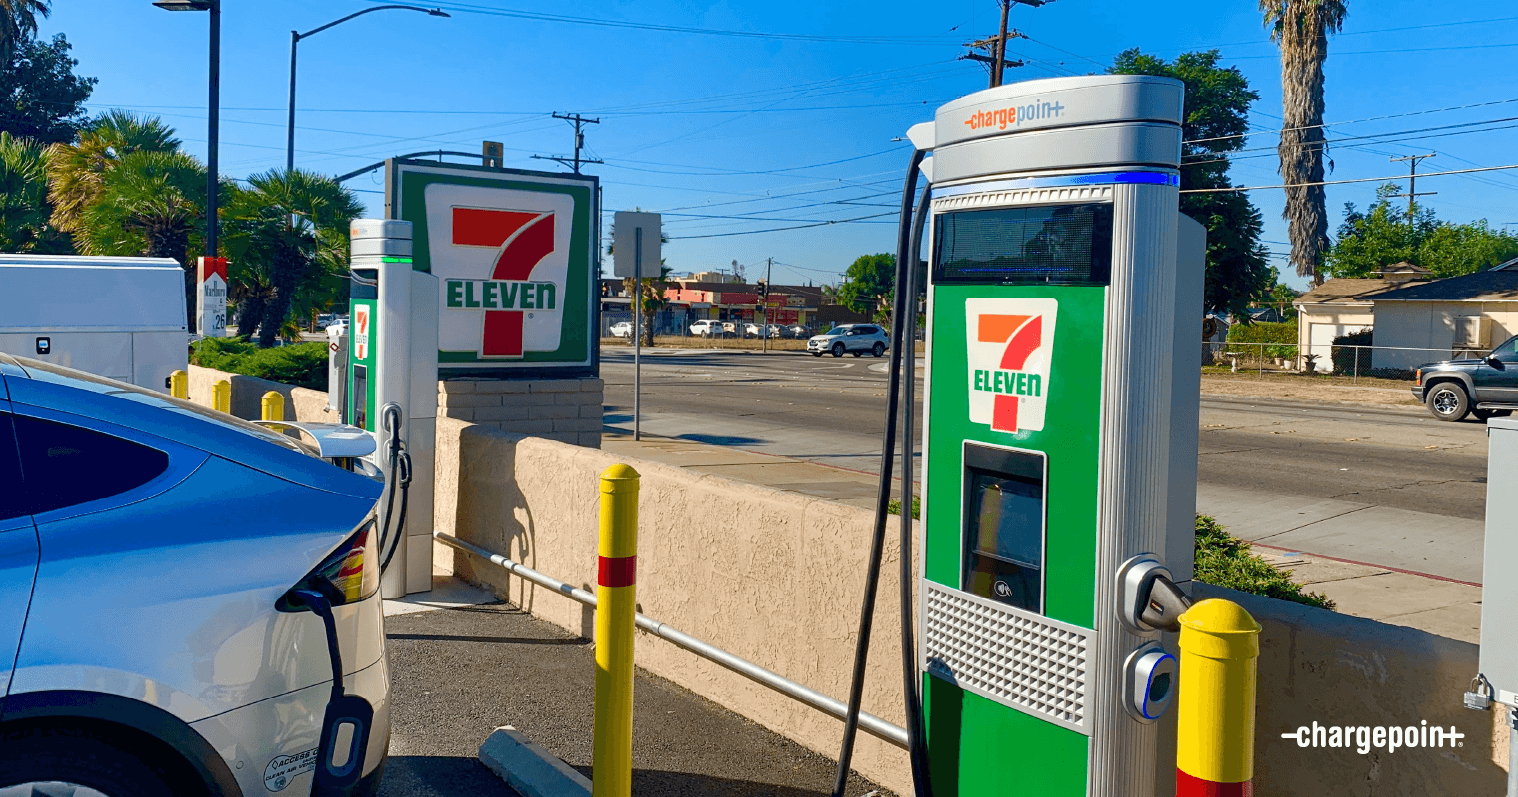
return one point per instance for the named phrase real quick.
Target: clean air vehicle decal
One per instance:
(283, 769)
(501, 257)
(1009, 342)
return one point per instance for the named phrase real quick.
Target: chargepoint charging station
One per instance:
(1064, 294)
(392, 390)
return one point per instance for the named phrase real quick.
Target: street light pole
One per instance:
(213, 180)
(295, 38)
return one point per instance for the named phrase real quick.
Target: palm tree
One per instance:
(18, 20)
(279, 264)
(23, 198)
(1301, 28)
(149, 204)
(77, 171)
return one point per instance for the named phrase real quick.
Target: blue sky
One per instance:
(781, 130)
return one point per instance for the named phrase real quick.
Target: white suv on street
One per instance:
(708, 328)
(856, 339)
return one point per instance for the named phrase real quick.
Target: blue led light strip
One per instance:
(1102, 178)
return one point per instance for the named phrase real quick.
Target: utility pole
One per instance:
(994, 44)
(1412, 184)
(998, 44)
(579, 122)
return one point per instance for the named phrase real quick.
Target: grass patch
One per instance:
(894, 507)
(301, 364)
(1226, 561)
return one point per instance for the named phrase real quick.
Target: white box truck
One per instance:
(118, 317)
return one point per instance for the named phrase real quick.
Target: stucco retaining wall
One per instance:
(776, 578)
(771, 576)
(248, 392)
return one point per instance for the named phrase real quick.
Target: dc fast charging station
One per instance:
(392, 390)
(1064, 299)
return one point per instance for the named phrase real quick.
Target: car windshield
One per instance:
(1508, 351)
(45, 372)
(837, 331)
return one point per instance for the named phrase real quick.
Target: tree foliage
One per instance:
(23, 199)
(77, 169)
(279, 266)
(18, 21)
(1383, 235)
(1217, 108)
(40, 96)
(869, 285)
(1301, 28)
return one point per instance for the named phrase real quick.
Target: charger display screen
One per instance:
(1004, 526)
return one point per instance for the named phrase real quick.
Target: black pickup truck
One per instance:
(1482, 387)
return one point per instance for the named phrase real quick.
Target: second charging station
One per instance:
(1064, 297)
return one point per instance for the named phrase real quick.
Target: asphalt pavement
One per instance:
(1380, 484)
(460, 671)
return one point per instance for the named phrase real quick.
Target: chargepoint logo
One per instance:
(502, 258)
(1365, 738)
(1009, 342)
(1015, 115)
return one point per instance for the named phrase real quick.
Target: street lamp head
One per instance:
(438, 12)
(185, 5)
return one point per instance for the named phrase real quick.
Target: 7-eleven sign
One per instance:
(1009, 343)
(501, 257)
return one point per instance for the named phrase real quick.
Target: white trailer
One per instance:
(118, 317)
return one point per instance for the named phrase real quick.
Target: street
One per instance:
(1268, 468)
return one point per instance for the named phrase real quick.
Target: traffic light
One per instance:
(605, 289)
(764, 289)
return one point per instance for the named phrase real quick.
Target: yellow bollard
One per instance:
(1215, 724)
(221, 396)
(179, 385)
(272, 407)
(615, 608)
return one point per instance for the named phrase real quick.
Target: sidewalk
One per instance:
(1399, 594)
(463, 664)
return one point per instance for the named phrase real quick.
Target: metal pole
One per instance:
(637, 300)
(1219, 645)
(213, 182)
(869, 723)
(290, 125)
(616, 607)
(769, 285)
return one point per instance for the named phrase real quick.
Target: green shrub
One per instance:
(301, 364)
(894, 507)
(1284, 334)
(1225, 561)
(1353, 361)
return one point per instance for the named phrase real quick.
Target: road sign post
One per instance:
(636, 239)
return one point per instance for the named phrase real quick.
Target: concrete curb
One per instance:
(528, 768)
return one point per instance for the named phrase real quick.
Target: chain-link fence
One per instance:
(1337, 359)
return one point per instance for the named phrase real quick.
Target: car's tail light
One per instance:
(1418, 377)
(349, 574)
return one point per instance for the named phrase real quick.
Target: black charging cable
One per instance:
(400, 478)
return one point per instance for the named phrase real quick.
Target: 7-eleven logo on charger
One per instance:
(1009, 344)
(361, 332)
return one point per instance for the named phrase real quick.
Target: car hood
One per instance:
(1451, 364)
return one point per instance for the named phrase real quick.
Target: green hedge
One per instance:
(301, 364)
(1284, 334)
(1344, 359)
(1225, 561)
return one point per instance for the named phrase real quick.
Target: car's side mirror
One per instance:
(1493, 361)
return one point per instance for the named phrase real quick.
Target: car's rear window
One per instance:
(63, 465)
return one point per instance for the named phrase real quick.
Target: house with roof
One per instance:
(1342, 306)
(1443, 319)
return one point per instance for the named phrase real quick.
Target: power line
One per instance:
(1344, 182)
(497, 11)
(1353, 121)
(782, 229)
(579, 123)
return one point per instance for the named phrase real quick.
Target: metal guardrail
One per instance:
(869, 723)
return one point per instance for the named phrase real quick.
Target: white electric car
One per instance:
(177, 589)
